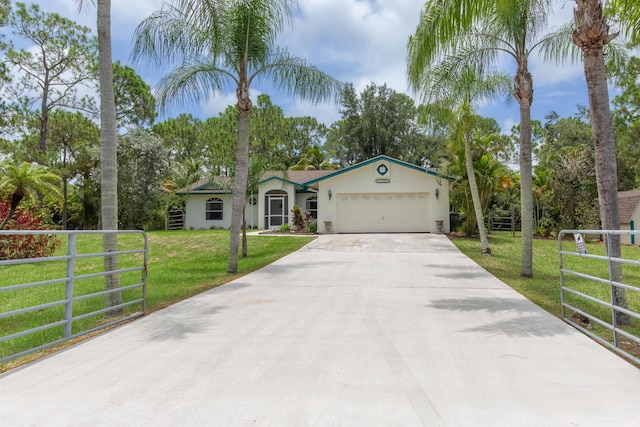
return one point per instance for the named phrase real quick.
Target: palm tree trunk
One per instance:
(523, 90)
(7, 218)
(475, 196)
(244, 233)
(591, 35)
(108, 155)
(240, 177)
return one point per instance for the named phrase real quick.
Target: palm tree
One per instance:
(26, 180)
(591, 35)
(476, 33)
(108, 149)
(447, 87)
(314, 159)
(541, 192)
(219, 44)
(257, 168)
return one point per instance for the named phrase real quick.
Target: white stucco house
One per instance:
(380, 195)
(629, 209)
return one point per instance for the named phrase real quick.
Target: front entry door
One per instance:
(277, 210)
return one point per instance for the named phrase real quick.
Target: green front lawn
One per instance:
(544, 288)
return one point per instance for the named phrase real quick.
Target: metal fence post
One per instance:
(68, 294)
(144, 272)
(614, 314)
(562, 301)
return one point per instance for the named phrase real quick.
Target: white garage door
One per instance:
(383, 212)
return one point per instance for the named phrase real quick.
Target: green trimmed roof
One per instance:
(303, 178)
(204, 186)
(373, 160)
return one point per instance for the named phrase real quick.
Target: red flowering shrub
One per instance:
(30, 246)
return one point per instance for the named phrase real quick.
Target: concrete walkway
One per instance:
(352, 330)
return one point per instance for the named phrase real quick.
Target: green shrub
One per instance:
(29, 246)
(298, 218)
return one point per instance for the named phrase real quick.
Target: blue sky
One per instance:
(358, 41)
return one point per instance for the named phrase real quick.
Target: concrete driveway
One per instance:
(352, 330)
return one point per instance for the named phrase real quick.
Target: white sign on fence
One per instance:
(582, 248)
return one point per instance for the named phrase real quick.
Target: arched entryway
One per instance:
(276, 211)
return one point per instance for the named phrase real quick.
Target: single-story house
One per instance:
(380, 195)
(628, 202)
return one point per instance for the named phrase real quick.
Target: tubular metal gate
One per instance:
(588, 286)
(36, 314)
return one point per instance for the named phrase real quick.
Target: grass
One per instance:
(544, 288)
(180, 264)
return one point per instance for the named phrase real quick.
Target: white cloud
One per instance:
(356, 41)
(548, 74)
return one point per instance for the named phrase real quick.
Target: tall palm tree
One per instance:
(477, 33)
(26, 180)
(446, 87)
(219, 44)
(108, 149)
(257, 168)
(591, 35)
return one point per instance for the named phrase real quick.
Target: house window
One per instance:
(311, 205)
(214, 209)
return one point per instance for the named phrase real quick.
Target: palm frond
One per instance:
(441, 22)
(83, 5)
(166, 36)
(276, 13)
(617, 56)
(451, 28)
(628, 14)
(557, 46)
(446, 79)
(28, 179)
(295, 76)
(191, 83)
